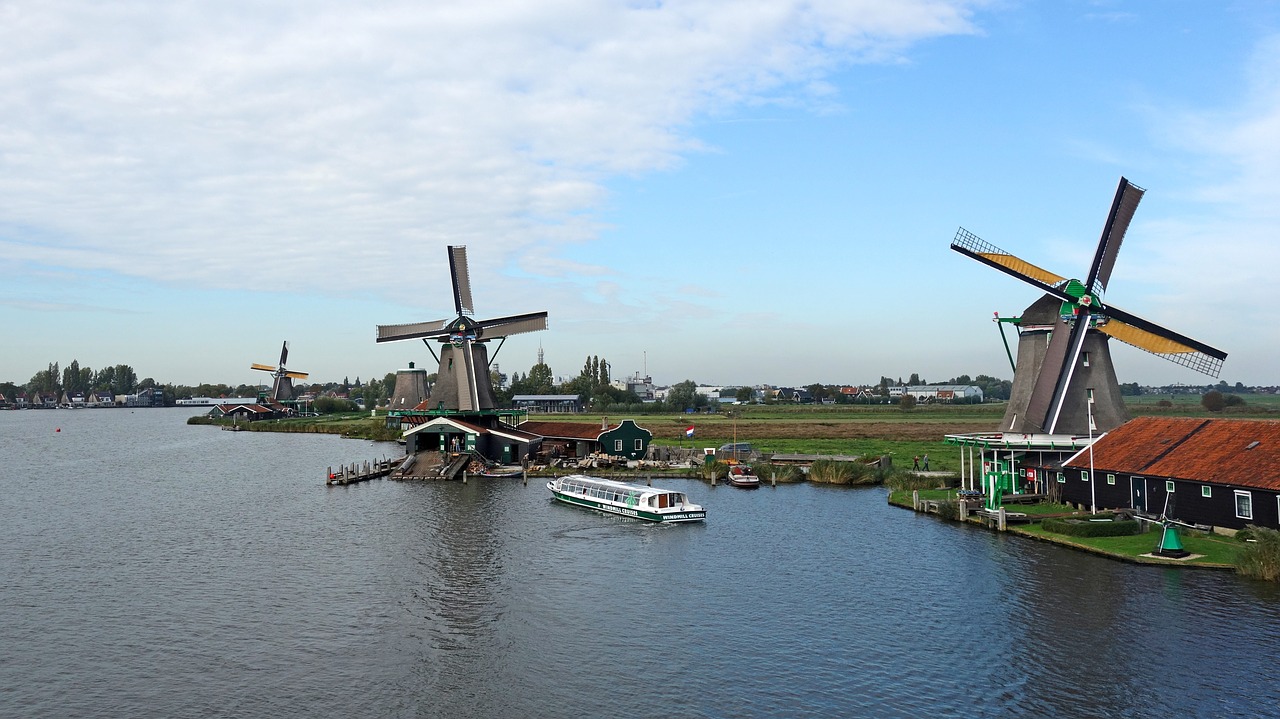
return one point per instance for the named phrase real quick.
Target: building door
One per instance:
(1139, 486)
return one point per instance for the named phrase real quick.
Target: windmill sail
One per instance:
(1128, 195)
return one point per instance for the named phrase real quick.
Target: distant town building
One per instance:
(547, 403)
(939, 392)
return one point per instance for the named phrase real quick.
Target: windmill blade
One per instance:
(284, 352)
(1047, 395)
(1151, 337)
(297, 375)
(413, 330)
(1128, 195)
(969, 244)
(513, 325)
(1075, 343)
(468, 391)
(461, 280)
(263, 367)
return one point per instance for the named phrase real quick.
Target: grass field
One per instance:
(877, 430)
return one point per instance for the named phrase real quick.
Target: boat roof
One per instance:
(613, 483)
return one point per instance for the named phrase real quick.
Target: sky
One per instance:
(732, 193)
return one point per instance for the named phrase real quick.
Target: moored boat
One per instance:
(628, 500)
(741, 475)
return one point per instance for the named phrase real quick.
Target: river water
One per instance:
(153, 569)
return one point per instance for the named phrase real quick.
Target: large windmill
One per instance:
(1064, 376)
(282, 387)
(462, 382)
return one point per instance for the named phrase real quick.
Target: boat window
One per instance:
(662, 501)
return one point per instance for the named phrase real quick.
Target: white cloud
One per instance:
(251, 140)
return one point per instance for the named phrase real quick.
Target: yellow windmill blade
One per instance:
(296, 375)
(263, 367)
(1168, 344)
(1021, 267)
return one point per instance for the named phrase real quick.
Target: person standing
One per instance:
(926, 463)
(915, 462)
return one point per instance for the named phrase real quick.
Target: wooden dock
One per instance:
(350, 474)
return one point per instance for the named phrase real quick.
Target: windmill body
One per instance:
(1095, 375)
(1064, 373)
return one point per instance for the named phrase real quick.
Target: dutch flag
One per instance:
(689, 432)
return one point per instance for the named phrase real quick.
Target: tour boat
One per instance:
(628, 500)
(740, 475)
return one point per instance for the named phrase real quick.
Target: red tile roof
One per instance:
(1239, 452)
(566, 430)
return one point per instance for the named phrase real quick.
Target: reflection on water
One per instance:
(156, 569)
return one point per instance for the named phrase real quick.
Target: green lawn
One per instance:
(1216, 550)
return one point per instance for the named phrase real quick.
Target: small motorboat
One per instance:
(741, 475)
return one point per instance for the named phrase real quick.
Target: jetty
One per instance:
(350, 474)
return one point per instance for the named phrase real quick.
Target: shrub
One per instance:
(785, 473)
(828, 471)
(1082, 527)
(715, 469)
(903, 481)
(1260, 558)
(949, 509)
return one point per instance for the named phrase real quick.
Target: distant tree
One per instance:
(907, 401)
(1213, 401)
(46, 381)
(331, 405)
(992, 387)
(539, 380)
(744, 394)
(1130, 389)
(914, 380)
(962, 379)
(123, 379)
(819, 392)
(683, 395)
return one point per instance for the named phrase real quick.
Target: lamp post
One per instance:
(1093, 500)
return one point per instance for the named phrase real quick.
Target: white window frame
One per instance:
(1206, 491)
(1169, 486)
(1247, 496)
(1084, 476)
(639, 444)
(1111, 479)
(617, 445)
(1084, 359)
(1062, 478)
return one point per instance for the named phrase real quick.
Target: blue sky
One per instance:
(732, 193)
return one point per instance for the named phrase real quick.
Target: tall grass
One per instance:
(782, 473)
(825, 471)
(1260, 558)
(899, 480)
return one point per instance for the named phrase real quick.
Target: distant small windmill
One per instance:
(463, 382)
(282, 387)
(1057, 377)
